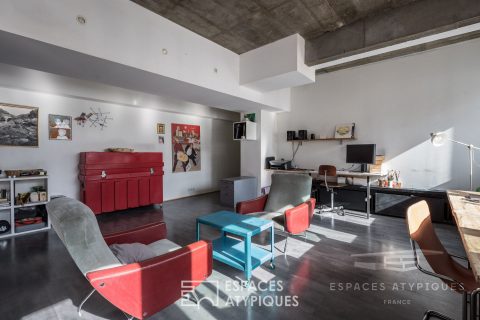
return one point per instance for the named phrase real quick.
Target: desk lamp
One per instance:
(438, 139)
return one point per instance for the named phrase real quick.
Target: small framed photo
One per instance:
(161, 139)
(160, 128)
(344, 131)
(59, 127)
(43, 196)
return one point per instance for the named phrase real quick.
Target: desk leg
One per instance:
(368, 197)
(248, 259)
(198, 231)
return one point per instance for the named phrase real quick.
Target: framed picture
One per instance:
(185, 148)
(18, 125)
(344, 131)
(160, 128)
(59, 127)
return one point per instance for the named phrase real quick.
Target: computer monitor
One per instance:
(361, 154)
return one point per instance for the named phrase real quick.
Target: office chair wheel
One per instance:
(272, 266)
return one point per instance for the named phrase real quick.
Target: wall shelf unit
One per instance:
(10, 211)
(323, 139)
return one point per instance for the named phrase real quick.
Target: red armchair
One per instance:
(144, 288)
(289, 204)
(139, 289)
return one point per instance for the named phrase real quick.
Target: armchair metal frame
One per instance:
(466, 300)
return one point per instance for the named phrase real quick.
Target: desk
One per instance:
(362, 175)
(466, 211)
(467, 216)
(344, 174)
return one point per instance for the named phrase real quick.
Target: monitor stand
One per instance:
(364, 167)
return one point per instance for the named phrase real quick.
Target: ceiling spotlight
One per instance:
(81, 20)
(164, 51)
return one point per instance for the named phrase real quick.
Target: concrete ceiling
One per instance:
(243, 25)
(333, 29)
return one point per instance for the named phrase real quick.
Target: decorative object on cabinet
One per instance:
(249, 117)
(236, 189)
(22, 214)
(312, 136)
(117, 181)
(19, 125)
(244, 130)
(95, 118)
(119, 150)
(185, 148)
(59, 127)
(344, 131)
(160, 128)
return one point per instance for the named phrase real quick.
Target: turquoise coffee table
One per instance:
(239, 254)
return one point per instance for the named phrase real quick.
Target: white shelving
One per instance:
(14, 186)
(244, 130)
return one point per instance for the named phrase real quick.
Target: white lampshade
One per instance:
(438, 138)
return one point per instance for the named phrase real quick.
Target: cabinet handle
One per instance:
(152, 171)
(104, 174)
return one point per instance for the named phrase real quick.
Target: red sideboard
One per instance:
(113, 181)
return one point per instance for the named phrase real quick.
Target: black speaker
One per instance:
(302, 135)
(290, 135)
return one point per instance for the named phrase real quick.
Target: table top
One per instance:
(466, 211)
(234, 223)
(354, 174)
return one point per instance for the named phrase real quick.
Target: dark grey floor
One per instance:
(38, 279)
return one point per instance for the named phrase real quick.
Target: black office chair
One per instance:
(328, 176)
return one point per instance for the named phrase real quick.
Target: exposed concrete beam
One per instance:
(389, 54)
(413, 21)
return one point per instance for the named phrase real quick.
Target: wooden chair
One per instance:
(443, 264)
(328, 176)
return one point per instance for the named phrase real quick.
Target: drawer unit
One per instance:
(118, 181)
(233, 190)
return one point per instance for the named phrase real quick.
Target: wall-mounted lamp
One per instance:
(438, 139)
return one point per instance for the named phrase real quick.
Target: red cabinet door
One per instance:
(108, 196)
(132, 190)
(156, 189)
(120, 194)
(144, 191)
(92, 196)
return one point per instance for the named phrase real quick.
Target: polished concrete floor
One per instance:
(348, 268)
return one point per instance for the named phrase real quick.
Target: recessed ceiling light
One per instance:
(81, 20)
(164, 51)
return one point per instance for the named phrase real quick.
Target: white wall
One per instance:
(133, 36)
(268, 144)
(132, 126)
(253, 153)
(396, 104)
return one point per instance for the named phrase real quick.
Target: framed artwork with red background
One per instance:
(185, 148)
